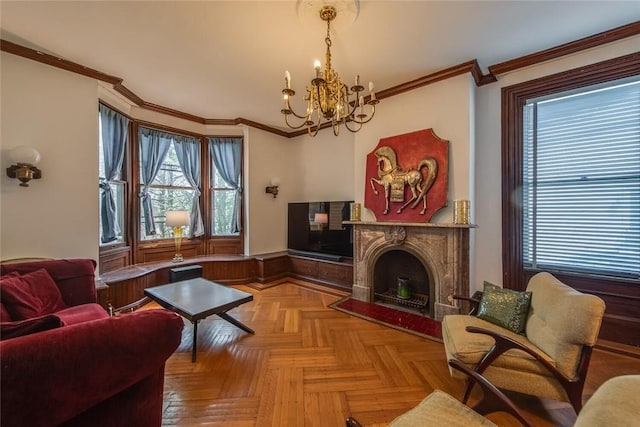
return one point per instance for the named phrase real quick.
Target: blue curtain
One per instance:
(227, 157)
(153, 149)
(188, 152)
(114, 132)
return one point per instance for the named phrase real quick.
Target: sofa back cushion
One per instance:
(75, 277)
(562, 320)
(30, 295)
(4, 314)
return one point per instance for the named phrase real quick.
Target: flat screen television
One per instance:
(315, 229)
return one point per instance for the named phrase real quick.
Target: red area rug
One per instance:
(401, 320)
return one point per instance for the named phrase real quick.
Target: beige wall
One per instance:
(53, 111)
(446, 107)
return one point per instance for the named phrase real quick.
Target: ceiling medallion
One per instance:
(329, 101)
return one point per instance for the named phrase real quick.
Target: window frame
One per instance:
(125, 178)
(139, 236)
(515, 275)
(210, 235)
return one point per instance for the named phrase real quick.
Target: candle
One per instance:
(287, 79)
(316, 65)
(357, 80)
(371, 87)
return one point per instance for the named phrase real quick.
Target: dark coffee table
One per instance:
(196, 299)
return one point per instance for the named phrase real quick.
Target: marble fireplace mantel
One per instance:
(443, 249)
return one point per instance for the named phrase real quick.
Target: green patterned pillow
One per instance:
(505, 307)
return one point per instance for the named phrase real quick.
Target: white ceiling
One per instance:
(226, 59)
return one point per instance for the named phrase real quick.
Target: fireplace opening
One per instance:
(401, 280)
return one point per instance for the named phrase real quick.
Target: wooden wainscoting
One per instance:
(125, 287)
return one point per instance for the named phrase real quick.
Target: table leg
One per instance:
(194, 343)
(233, 321)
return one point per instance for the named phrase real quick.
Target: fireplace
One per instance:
(434, 257)
(401, 279)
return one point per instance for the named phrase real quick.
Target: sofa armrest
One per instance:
(75, 277)
(50, 377)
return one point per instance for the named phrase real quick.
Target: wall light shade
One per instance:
(24, 169)
(273, 188)
(177, 220)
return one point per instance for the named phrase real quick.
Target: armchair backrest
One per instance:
(75, 277)
(562, 320)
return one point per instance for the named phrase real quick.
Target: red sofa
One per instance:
(76, 366)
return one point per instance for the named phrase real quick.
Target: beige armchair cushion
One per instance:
(615, 403)
(562, 320)
(438, 410)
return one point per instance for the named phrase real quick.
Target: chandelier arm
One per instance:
(317, 128)
(368, 116)
(286, 120)
(346, 124)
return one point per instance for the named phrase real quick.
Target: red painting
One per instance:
(407, 177)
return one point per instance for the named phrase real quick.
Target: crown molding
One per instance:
(471, 67)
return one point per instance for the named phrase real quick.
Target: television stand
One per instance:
(336, 274)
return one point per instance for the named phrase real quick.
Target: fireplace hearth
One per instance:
(434, 257)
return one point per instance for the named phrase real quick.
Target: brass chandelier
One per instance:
(328, 98)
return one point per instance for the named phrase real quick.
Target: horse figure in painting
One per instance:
(393, 179)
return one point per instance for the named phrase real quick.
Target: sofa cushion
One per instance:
(81, 313)
(504, 307)
(30, 326)
(615, 403)
(30, 295)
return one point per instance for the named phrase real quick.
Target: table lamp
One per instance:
(177, 220)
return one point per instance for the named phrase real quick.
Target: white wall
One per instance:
(53, 111)
(488, 253)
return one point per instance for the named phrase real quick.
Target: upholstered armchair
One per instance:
(550, 358)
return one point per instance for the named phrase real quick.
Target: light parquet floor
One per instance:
(310, 365)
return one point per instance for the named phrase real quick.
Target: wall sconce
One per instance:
(273, 188)
(24, 170)
(177, 220)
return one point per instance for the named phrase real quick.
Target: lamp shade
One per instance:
(177, 218)
(23, 154)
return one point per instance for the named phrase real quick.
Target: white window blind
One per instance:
(581, 181)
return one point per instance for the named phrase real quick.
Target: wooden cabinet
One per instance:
(331, 273)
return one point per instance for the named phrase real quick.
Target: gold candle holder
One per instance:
(461, 212)
(355, 211)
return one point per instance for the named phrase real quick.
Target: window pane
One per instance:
(170, 172)
(581, 181)
(163, 200)
(218, 182)
(222, 206)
